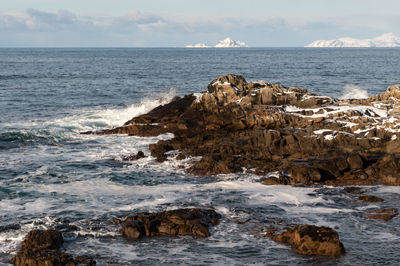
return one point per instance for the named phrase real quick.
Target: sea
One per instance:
(51, 176)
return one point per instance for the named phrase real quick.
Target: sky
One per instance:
(176, 23)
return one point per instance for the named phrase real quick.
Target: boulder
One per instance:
(310, 240)
(43, 248)
(194, 222)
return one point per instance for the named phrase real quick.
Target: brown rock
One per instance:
(370, 198)
(236, 126)
(355, 161)
(138, 156)
(311, 240)
(383, 214)
(194, 222)
(42, 248)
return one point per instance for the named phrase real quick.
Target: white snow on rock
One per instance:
(229, 43)
(385, 40)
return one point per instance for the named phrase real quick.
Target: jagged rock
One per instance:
(194, 222)
(236, 126)
(383, 214)
(310, 240)
(43, 248)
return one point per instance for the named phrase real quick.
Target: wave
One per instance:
(85, 120)
(351, 91)
(55, 130)
(15, 139)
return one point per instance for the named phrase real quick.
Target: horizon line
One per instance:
(182, 47)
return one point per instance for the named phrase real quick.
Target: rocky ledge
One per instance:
(310, 240)
(286, 134)
(194, 222)
(43, 248)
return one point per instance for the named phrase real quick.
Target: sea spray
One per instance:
(351, 91)
(90, 119)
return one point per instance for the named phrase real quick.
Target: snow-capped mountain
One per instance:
(385, 40)
(226, 43)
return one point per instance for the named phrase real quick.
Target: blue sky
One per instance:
(166, 23)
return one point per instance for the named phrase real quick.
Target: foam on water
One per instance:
(91, 119)
(112, 117)
(388, 189)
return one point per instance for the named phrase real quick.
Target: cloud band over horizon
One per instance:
(36, 28)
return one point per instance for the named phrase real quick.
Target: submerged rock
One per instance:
(260, 128)
(139, 155)
(194, 222)
(383, 214)
(43, 248)
(311, 240)
(370, 198)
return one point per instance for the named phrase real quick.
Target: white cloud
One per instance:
(64, 28)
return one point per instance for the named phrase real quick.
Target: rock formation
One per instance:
(194, 222)
(259, 128)
(310, 240)
(43, 248)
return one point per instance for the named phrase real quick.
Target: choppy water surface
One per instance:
(53, 177)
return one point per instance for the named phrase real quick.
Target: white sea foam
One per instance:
(385, 237)
(388, 189)
(351, 91)
(114, 116)
(91, 119)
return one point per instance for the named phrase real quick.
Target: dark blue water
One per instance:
(53, 177)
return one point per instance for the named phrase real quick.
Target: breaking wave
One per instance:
(351, 91)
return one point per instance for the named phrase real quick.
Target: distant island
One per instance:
(226, 43)
(385, 40)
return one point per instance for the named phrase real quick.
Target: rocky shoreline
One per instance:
(285, 134)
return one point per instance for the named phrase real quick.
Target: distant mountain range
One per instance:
(226, 43)
(385, 40)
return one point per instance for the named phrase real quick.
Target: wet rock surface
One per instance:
(43, 248)
(383, 214)
(310, 240)
(259, 128)
(194, 222)
(139, 155)
(369, 198)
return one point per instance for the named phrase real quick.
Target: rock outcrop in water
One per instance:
(311, 240)
(43, 248)
(194, 222)
(264, 128)
(383, 214)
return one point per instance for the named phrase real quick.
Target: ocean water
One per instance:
(53, 177)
